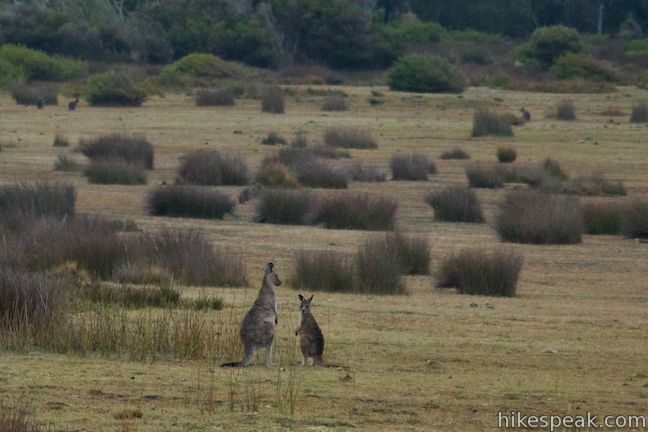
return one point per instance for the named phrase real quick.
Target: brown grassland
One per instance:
(575, 338)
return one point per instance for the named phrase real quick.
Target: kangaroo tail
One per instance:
(232, 364)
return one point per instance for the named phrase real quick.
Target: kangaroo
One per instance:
(258, 326)
(311, 337)
(40, 104)
(73, 104)
(526, 115)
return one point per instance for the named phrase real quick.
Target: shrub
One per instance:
(60, 141)
(136, 150)
(19, 203)
(38, 66)
(66, 163)
(412, 166)
(547, 44)
(31, 94)
(273, 138)
(272, 100)
(425, 73)
(113, 88)
(476, 272)
(602, 217)
(115, 171)
(27, 296)
(413, 253)
(317, 174)
(220, 97)
(534, 217)
(365, 173)
(200, 68)
(480, 176)
(284, 207)
(566, 110)
(190, 258)
(10, 74)
(635, 220)
(579, 65)
(324, 271)
(456, 204)
(595, 184)
(506, 154)
(349, 138)
(189, 201)
(553, 168)
(355, 211)
(276, 174)
(213, 168)
(379, 268)
(487, 123)
(639, 112)
(455, 153)
(334, 103)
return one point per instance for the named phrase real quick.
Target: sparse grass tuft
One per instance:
(349, 138)
(566, 110)
(412, 167)
(482, 176)
(487, 123)
(335, 103)
(128, 296)
(355, 211)
(300, 140)
(324, 271)
(506, 154)
(635, 220)
(115, 171)
(476, 272)
(207, 97)
(535, 217)
(639, 112)
(455, 153)
(272, 100)
(60, 141)
(284, 207)
(213, 168)
(603, 217)
(595, 184)
(273, 138)
(456, 204)
(66, 163)
(130, 149)
(15, 417)
(28, 296)
(189, 201)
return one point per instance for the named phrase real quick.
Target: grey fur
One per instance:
(311, 339)
(258, 326)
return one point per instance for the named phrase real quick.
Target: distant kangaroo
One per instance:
(258, 326)
(40, 104)
(311, 339)
(73, 104)
(526, 115)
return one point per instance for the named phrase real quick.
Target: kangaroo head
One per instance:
(271, 277)
(305, 304)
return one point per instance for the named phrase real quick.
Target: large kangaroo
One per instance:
(311, 339)
(257, 328)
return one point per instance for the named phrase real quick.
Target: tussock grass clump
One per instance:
(189, 201)
(210, 97)
(15, 417)
(28, 296)
(300, 140)
(276, 174)
(553, 168)
(31, 94)
(283, 207)
(603, 217)
(20, 203)
(506, 154)
(213, 168)
(455, 153)
(635, 220)
(316, 173)
(412, 167)
(535, 217)
(365, 173)
(273, 138)
(136, 150)
(115, 171)
(595, 184)
(566, 110)
(456, 204)
(476, 272)
(128, 296)
(639, 112)
(379, 268)
(272, 100)
(66, 163)
(335, 103)
(488, 123)
(60, 141)
(355, 211)
(349, 138)
(413, 253)
(484, 176)
(324, 271)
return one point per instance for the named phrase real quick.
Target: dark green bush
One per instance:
(579, 65)
(37, 66)
(113, 88)
(487, 123)
(212, 168)
(189, 201)
(456, 204)
(10, 74)
(426, 74)
(115, 171)
(200, 68)
(547, 44)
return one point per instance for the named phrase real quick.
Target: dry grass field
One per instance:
(574, 339)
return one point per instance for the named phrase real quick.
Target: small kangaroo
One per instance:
(258, 326)
(526, 115)
(311, 338)
(73, 104)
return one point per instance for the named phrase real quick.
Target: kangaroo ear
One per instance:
(311, 299)
(301, 297)
(270, 267)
